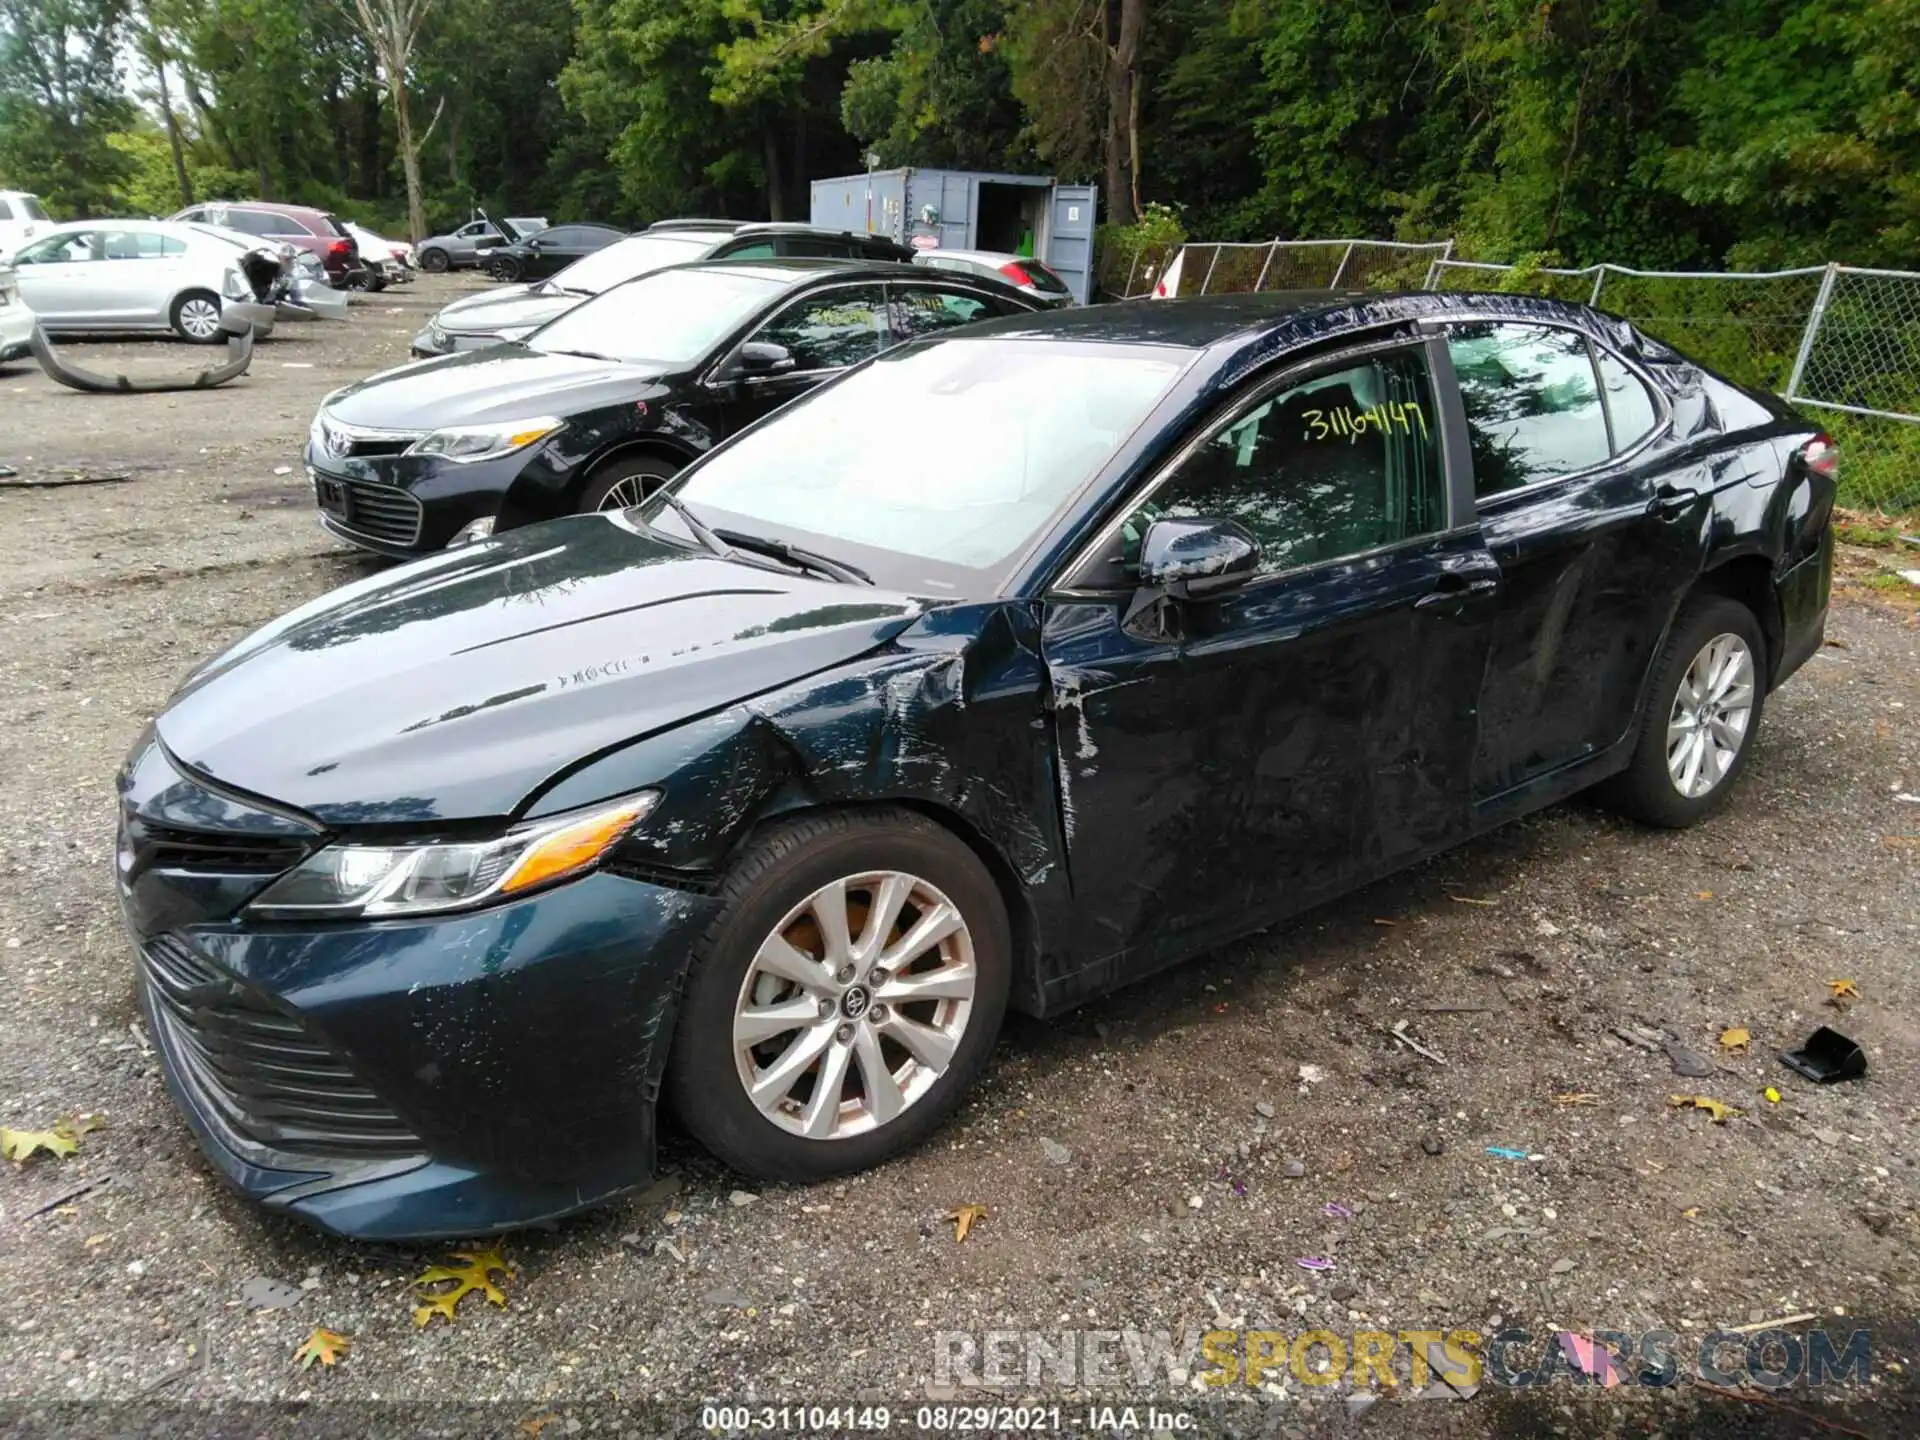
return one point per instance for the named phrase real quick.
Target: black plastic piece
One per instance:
(1828, 1056)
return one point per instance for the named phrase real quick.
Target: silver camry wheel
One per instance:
(200, 318)
(1711, 713)
(853, 1007)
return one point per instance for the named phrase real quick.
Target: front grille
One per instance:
(364, 445)
(162, 847)
(378, 511)
(259, 1072)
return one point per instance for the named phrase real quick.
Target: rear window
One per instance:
(31, 208)
(334, 225)
(6, 211)
(1043, 278)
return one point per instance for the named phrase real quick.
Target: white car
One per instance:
(125, 275)
(21, 218)
(391, 260)
(16, 320)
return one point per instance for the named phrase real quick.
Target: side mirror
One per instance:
(763, 357)
(1197, 559)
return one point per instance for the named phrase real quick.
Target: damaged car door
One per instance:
(1241, 734)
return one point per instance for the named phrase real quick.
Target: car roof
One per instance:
(796, 270)
(1279, 319)
(988, 257)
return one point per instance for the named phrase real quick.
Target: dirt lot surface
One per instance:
(1154, 1162)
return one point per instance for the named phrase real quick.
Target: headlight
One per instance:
(436, 337)
(344, 881)
(234, 286)
(487, 442)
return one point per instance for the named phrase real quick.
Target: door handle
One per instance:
(1671, 500)
(1451, 593)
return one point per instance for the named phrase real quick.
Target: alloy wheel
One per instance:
(854, 1005)
(629, 491)
(200, 319)
(1711, 714)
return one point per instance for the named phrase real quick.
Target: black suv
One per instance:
(515, 311)
(606, 402)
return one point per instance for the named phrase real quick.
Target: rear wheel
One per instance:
(196, 317)
(435, 261)
(621, 484)
(845, 1000)
(504, 267)
(1704, 706)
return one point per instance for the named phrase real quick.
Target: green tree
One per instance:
(60, 97)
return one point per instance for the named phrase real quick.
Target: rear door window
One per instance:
(1630, 405)
(1533, 406)
(918, 310)
(818, 246)
(6, 211)
(32, 208)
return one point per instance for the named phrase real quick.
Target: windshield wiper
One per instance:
(693, 523)
(590, 355)
(797, 557)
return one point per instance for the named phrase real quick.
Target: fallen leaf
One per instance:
(1719, 1110)
(964, 1219)
(1736, 1038)
(1577, 1097)
(534, 1425)
(1882, 730)
(1900, 842)
(1692, 1212)
(1842, 988)
(329, 1347)
(455, 1282)
(1378, 921)
(20, 1144)
(1471, 900)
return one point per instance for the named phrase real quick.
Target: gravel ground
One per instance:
(1155, 1161)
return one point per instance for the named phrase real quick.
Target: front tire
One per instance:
(846, 999)
(622, 484)
(1703, 710)
(435, 262)
(195, 318)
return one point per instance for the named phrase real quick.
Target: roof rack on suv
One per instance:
(696, 224)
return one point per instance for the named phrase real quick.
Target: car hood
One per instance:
(452, 688)
(501, 382)
(509, 306)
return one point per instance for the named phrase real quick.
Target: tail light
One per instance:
(339, 249)
(1014, 273)
(1821, 456)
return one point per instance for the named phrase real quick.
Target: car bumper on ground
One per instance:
(412, 1079)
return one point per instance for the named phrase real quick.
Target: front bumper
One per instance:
(404, 506)
(423, 1079)
(396, 1079)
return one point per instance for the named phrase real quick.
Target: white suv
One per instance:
(21, 218)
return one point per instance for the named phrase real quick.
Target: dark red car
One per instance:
(315, 231)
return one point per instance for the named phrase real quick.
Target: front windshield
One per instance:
(667, 319)
(935, 466)
(625, 259)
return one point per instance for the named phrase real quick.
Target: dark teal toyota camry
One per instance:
(1017, 664)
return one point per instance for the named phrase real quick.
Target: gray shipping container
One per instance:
(969, 210)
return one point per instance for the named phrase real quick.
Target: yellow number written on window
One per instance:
(1345, 423)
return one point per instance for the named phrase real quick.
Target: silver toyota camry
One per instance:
(131, 275)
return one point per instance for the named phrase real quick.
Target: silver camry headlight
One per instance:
(348, 881)
(467, 443)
